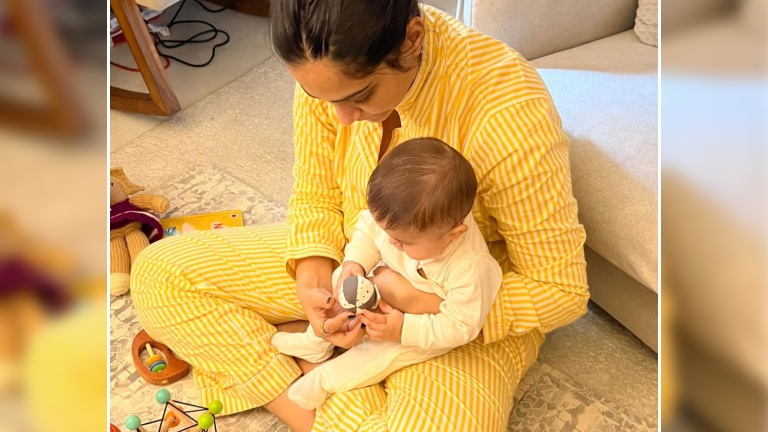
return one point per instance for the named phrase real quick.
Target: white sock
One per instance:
(306, 345)
(308, 391)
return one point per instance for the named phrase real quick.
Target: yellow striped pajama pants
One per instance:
(214, 297)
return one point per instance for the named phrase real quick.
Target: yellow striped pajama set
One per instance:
(214, 297)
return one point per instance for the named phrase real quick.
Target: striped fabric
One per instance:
(214, 297)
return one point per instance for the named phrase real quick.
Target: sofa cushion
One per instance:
(647, 22)
(606, 93)
(535, 28)
(680, 15)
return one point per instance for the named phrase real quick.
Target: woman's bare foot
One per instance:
(293, 326)
(306, 366)
(297, 418)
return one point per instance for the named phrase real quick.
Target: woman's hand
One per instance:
(384, 326)
(329, 320)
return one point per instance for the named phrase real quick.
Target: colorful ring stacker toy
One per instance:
(161, 368)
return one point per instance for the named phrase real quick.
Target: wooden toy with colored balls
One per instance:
(357, 294)
(176, 419)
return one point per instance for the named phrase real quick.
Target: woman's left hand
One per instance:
(384, 326)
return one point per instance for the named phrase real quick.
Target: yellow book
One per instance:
(202, 222)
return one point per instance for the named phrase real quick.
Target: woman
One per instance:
(370, 75)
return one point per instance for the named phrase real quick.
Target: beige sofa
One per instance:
(604, 83)
(713, 211)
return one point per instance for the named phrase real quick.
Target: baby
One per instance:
(417, 240)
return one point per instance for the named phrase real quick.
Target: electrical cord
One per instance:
(198, 38)
(121, 40)
(176, 43)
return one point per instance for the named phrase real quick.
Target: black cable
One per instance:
(197, 38)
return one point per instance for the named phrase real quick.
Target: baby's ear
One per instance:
(458, 231)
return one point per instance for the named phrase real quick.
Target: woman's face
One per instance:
(372, 98)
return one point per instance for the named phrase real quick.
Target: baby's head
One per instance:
(420, 194)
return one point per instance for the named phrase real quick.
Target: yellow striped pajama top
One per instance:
(485, 100)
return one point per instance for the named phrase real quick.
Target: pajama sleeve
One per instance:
(315, 217)
(525, 187)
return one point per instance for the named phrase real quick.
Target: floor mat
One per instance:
(207, 189)
(546, 399)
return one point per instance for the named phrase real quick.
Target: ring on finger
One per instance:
(322, 327)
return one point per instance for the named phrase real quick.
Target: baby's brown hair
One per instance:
(422, 184)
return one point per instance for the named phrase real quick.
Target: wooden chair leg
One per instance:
(64, 113)
(161, 99)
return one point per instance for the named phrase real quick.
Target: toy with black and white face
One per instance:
(357, 294)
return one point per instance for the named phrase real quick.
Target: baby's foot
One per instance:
(308, 392)
(303, 346)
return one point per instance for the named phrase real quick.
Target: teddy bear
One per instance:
(131, 226)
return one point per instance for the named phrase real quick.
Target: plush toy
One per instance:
(35, 281)
(358, 293)
(132, 226)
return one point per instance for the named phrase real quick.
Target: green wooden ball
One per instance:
(133, 422)
(163, 396)
(215, 407)
(205, 421)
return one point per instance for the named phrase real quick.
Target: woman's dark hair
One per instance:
(422, 184)
(357, 34)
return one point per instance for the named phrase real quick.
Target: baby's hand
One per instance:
(348, 269)
(384, 326)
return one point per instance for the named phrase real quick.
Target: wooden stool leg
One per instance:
(161, 99)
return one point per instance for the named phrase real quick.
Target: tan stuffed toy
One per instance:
(132, 227)
(35, 283)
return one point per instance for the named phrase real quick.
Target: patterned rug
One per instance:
(546, 399)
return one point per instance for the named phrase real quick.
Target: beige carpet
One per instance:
(234, 148)
(244, 128)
